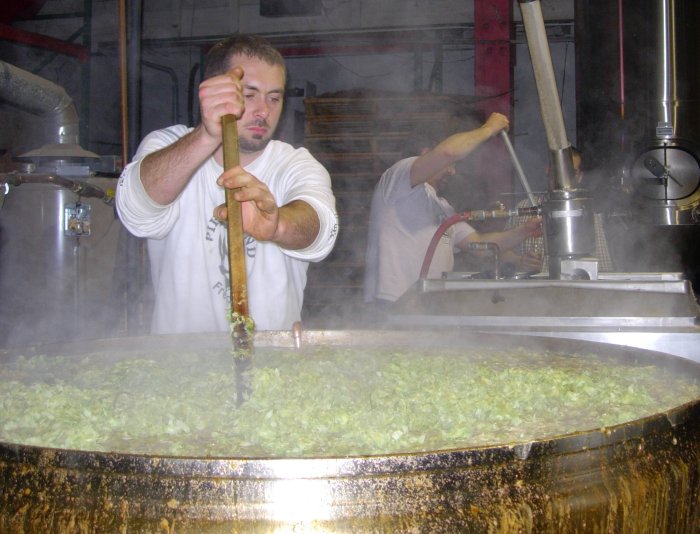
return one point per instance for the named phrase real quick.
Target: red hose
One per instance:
(451, 220)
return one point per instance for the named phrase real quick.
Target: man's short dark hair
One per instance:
(219, 56)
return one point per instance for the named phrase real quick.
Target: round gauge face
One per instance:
(666, 173)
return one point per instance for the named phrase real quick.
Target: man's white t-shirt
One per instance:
(403, 220)
(188, 249)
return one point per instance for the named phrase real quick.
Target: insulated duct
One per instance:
(51, 103)
(550, 104)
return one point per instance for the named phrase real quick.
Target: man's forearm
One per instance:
(166, 172)
(460, 145)
(506, 239)
(298, 226)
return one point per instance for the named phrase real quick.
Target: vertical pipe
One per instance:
(621, 41)
(123, 81)
(550, 104)
(134, 23)
(666, 79)
(86, 76)
(129, 62)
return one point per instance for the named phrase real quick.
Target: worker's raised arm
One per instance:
(454, 148)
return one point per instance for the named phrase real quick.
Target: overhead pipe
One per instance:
(43, 98)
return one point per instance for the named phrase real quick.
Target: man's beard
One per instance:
(252, 145)
(255, 144)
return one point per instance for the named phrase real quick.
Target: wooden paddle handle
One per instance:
(236, 245)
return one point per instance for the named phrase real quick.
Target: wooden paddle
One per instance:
(241, 324)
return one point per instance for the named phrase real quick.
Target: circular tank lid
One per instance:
(54, 151)
(667, 173)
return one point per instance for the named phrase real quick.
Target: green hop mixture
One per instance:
(322, 402)
(241, 321)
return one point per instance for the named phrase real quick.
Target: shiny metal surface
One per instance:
(668, 178)
(518, 167)
(681, 342)
(55, 284)
(666, 81)
(563, 173)
(666, 167)
(567, 214)
(568, 225)
(672, 93)
(655, 311)
(671, 213)
(677, 178)
(39, 265)
(550, 104)
(637, 282)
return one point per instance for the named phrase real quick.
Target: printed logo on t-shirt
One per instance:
(216, 231)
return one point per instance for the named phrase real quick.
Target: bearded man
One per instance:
(173, 194)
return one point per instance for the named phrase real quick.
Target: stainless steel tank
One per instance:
(58, 231)
(57, 257)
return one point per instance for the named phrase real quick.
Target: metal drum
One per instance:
(57, 252)
(568, 225)
(641, 476)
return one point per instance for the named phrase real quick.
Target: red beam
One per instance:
(493, 82)
(9, 33)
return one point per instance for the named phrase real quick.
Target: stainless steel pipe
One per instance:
(550, 103)
(518, 167)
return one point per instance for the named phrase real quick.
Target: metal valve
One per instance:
(76, 219)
